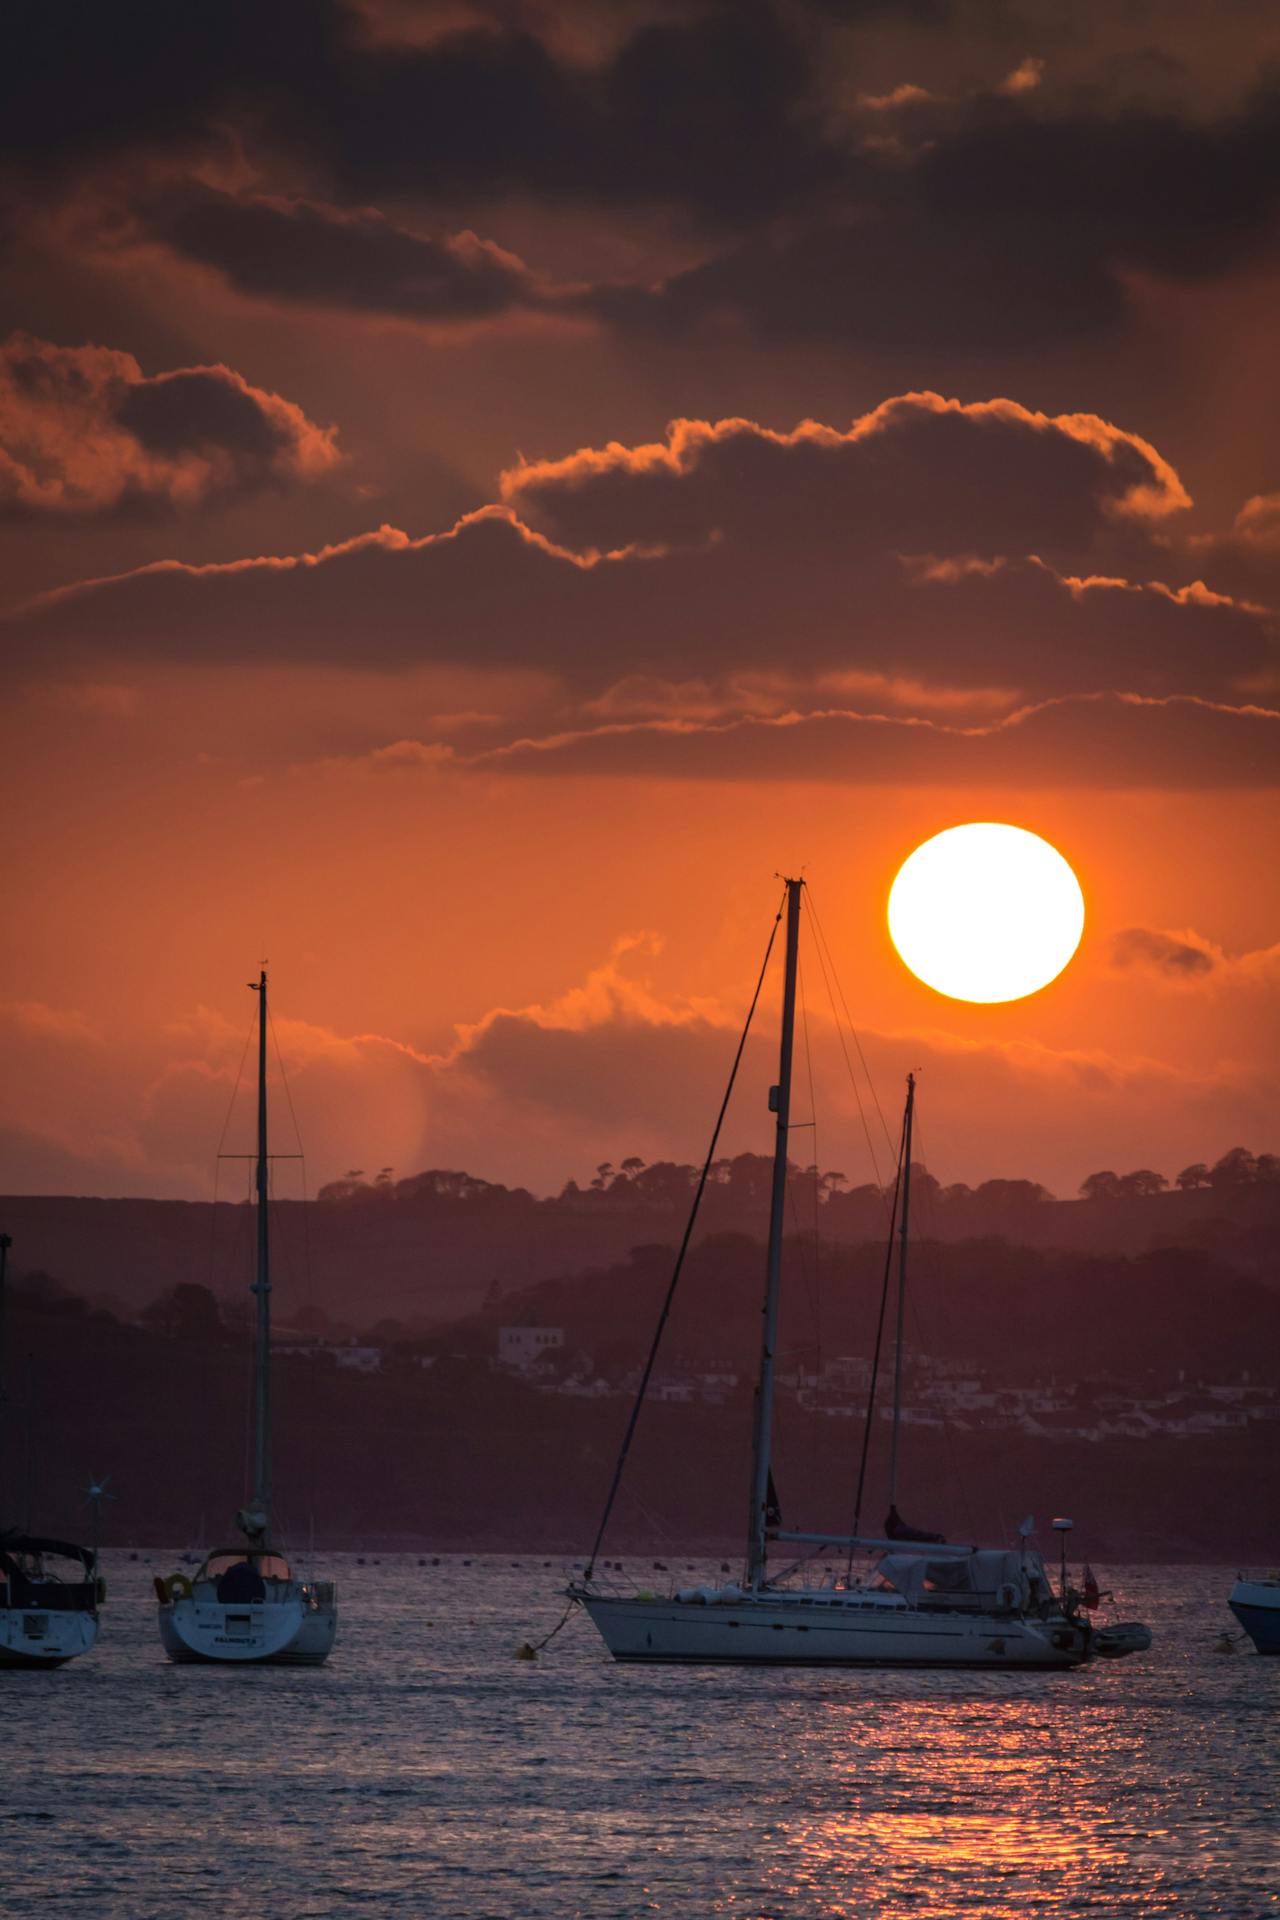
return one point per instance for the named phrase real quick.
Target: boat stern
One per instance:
(45, 1636)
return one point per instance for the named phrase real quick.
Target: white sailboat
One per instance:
(921, 1602)
(1255, 1602)
(243, 1605)
(50, 1592)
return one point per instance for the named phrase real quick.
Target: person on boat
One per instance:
(241, 1585)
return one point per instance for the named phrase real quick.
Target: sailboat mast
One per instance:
(780, 1104)
(903, 1224)
(262, 1286)
(5, 1244)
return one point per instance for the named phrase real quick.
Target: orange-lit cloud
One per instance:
(933, 445)
(84, 432)
(609, 1067)
(703, 551)
(1104, 740)
(434, 768)
(1024, 78)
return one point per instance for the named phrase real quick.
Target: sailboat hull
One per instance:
(785, 1630)
(45, 1636)
(1256, 1605)
(285, 1633)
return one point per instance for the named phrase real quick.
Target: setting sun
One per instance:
(986, 912)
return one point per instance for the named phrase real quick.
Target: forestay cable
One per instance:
(830, 976)
(875, 1361)
(684, 1248)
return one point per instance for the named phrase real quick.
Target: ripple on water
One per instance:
(425, 1771)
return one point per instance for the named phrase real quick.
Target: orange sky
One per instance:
(989, 528)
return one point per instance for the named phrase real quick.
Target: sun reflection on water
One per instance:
(949, 1808)
(424, 1772)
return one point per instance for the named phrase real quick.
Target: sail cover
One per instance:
(993, 1575)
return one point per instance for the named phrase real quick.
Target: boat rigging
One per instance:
(922, 1601)
(244, 1604)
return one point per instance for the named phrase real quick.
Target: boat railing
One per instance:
(876, 1543)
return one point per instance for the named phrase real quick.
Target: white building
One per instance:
(523, 1347)
(356, 1359)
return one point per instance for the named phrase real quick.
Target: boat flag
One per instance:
(1091, 1597)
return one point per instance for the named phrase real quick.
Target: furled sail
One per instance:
(896, 1528)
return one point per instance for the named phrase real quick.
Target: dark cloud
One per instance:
(706, 108)
(303, 250)
(1008, 228)
(91, 82)
(1168, 954)
(920, 473)
(731, 550)
(984, 220)
(84, 433)
(181, 412)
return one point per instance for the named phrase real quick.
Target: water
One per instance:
(425, 1771)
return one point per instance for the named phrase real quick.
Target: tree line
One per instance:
(1236, 1169)
(743, 1181)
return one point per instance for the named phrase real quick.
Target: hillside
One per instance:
(459, 1457)
(430, 1248)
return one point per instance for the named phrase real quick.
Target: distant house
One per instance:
(351, 1356)
(846, 1375)
(357, 1359)
(677, 1387)
(521, 1348)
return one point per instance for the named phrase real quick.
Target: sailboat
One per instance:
(1255, 1602)
(922, 1602)
(243, 1605)
(50, 1592)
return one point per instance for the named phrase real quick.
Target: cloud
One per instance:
(1024, 78)
(493, 593)
(35, 1161)
(1171, 956)
(84, 433)
(1187, 959)
(37, 1018)
(1093, 740)
(967, 551)
(701, 104)
(611, 1066)
(1022, 218)
(926, 471)
(397, 756)
(1246, 557)
(1007, 227)
(905, 95)
(351, 259)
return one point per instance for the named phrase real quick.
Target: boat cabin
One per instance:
(27, 1579)
(239, 1575)
(972, 1578)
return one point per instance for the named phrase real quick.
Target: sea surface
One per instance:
(426, 1771)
